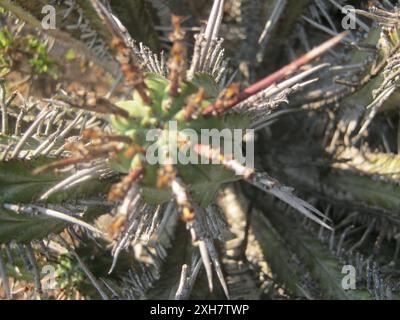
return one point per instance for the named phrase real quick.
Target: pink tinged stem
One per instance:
(280, 74)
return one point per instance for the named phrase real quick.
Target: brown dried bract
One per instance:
(177, 62)
(83, 155)
(132, 72)
(226, 97)
(88, 100)
(119, 190)
(165, 176)
(97, 136)
(193, 106)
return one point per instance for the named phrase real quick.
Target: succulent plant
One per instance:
(77, 187)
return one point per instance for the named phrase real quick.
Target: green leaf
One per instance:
(287, 271)
(324, 266)
(24, 228)
(134, 108)
(19, 185)
(207, 82)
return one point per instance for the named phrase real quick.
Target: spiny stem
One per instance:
(280, 74)
(128, 64)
